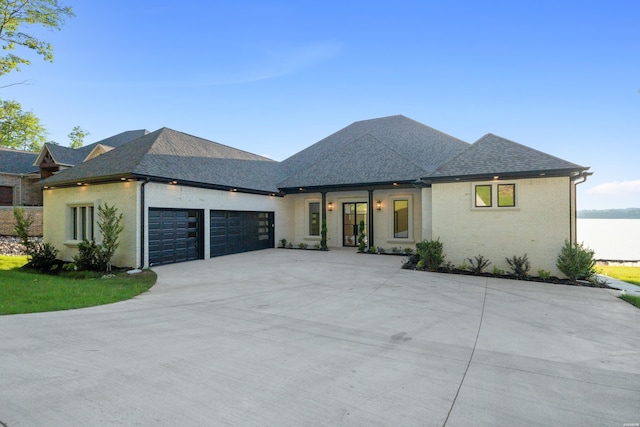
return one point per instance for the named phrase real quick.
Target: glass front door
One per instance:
(352, 214)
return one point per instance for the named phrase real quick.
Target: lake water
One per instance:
(613, 239)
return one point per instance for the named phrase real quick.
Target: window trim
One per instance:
(494, 196)
(391, 218)
(307, 219)
(81, 223)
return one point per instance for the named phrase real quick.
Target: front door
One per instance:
(352, 214)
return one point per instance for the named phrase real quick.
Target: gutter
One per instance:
(142, 222)
(582, 175)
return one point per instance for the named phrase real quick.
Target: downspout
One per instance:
(574, 181)
(142, 221)
(370, 219)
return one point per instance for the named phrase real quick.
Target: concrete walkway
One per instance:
(305, 338)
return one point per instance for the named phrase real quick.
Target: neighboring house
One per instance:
(186, 198)
(19, 187)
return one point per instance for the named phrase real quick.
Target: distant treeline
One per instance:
(629, 213)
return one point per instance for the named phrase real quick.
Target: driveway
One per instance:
(305, 338)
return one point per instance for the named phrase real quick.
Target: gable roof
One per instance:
(383, 150)
(493, 155)
(66, 156)
(171, 155)
(17, 161)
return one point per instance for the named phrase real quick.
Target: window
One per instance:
(506, 195)
(6, 196)
(494, 195)
(82, 222)
(401, 219)
(314, 218)
(483, 196)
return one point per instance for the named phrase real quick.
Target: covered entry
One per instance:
(175, 235)
(234, 232)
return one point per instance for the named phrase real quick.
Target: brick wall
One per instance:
(7, 222)
(26, 192)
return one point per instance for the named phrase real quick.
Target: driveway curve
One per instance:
(305, 338)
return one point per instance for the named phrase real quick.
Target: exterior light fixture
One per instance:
(395, 184)
(378, 205)
(300, 189)
(123, 179)
(78, 183)
(330, 206)
(496, 177)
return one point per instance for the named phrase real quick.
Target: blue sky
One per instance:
(273, 77)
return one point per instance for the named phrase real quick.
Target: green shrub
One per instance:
(323, 233)
(22, 228)
(43, 257)
(498, 271)
(361, 237)
(283, 243)
(408, 251)
(430, 253)
(544, 274)
(90, 256)
(576, 261)
(303, 245)
(110, 225)
(372, 250)
(395, 250)
(381, 250)
(520, 266)
(479, 264)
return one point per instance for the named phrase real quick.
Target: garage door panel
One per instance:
(175, 235)
(240, 231)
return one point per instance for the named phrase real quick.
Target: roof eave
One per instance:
(506, 175)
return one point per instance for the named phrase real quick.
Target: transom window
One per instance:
(494, 195)
(82, 219)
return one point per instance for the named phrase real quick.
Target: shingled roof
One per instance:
(171, 155)
(66, 156)
(17, 162)
(493, 155)
(383, 150)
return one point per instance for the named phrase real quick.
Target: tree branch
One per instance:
(26, 82)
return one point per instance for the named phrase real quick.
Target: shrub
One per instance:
(372, 250)
(381, 250)
(498, 271)
(43, 257)
(22, 228)
(302, 245)
(463, 266)
(408, 251)
(110, 225)
(361, 237)
(323, 233)
(430, 253)
(520, 266)
(90, 256)
(283, 243)
(576, 261)
(316, 246)
(290, 245)
(544, 274)
(479, 265)
(395, 250)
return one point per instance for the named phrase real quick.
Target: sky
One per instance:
(273, 77)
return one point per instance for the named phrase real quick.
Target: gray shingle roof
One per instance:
(494, 155)
(71, 157)
(17, 161)
(174, 155)
(387, 149)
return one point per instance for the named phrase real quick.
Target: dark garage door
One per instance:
(234, 232)
(175, 235)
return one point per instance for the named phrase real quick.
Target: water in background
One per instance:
(612, 239)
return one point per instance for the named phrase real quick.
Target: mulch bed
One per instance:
(554, 280)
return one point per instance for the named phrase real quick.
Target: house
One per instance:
(186, 198)
(19, 187)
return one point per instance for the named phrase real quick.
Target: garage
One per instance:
(234, 232)
(175, 235)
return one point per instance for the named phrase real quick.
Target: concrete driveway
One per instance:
(305, 338)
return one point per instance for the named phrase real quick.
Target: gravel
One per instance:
(12, 246)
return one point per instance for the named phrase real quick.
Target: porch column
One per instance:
(370, 217)
(324, 205)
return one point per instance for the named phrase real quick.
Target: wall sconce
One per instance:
(330, 206)
(378, 205)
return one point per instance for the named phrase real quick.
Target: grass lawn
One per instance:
(631, 299)
(626, 274)
(24, 291)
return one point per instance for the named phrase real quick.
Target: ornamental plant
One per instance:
(430, 253)
(576, 261)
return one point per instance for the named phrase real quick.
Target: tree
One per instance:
(17, 14)
(20, 129)
(110, 225)
(77, 137)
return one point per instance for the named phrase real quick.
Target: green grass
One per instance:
(24, 291)
(626, 274)
(631, 299)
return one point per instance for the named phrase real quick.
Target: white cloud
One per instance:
(616, 188)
